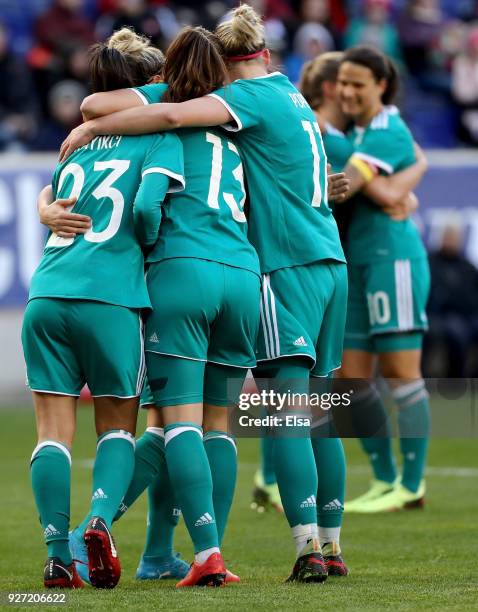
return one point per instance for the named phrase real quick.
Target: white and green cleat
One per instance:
(265, 496)
(400, 498)
(378, 488)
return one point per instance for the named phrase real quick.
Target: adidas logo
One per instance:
(300, 342)
(333, 505)
(99, 494)
(205, 519)
(154, 338)
(309, 502)
(51, 530)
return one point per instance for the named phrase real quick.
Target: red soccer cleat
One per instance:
(309, 568)
(231, 578)
(60, 576)
(210, 573)
(103, 563)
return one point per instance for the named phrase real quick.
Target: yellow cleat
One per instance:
(378, 488)
(400, 498)
(265, 496)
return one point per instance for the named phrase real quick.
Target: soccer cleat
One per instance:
(377, 489)
(80, 554)
(264, 495)
(174, 567)
(400, 498)
(103, 563)
(333, 560)
(309, 568)
(210, 573)
(60, 576)
(231, 578)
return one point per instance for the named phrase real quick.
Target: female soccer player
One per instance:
(295, 235)
(204, 284)
(391, 193)
(388, 284)
(83, 323)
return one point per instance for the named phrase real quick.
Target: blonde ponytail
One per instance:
(126, 59)
(243, 33)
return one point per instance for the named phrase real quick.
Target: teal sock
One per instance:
(330, 461)
(112, 472)
(222, 454)
(267, 459)
(294, 463)
(149, 457)
(163, 517)
(414, 430)
(51, 479)
(190, 475)
(372, 426)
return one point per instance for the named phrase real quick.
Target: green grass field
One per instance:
(404, 561)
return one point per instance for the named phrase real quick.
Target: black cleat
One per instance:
(334, 560)
(60, 576)
(309, 568)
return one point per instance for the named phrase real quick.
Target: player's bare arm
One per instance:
(201, 112)
(56, 215)
(338, 186)
(393, 191)
(108, 102)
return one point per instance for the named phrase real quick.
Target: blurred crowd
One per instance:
(43, 59)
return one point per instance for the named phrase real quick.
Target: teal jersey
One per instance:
(286, 169)
(106, 263)
(207, 219)
(337, 147)
(387, 144)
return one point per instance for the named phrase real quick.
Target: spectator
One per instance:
(17, 98)
(375, 28)
(62, 26)
(134, 14)
(419, 25)
(465, 86)
(310, 40)
(64, 108)
(453, 304)
(59, 31)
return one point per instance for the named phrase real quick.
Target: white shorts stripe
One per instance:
(403, 290)
(268, 316)
(142, 361)
(264, 328)
(276, 339)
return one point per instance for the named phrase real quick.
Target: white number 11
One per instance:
(317, 197)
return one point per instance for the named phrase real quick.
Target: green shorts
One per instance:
(174, 381)
(303, 314)
(70, 343)
(204, 311)
(386, 305)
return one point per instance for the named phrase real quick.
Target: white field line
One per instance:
(457, 472)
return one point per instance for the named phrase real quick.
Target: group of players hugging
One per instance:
(237, 279)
